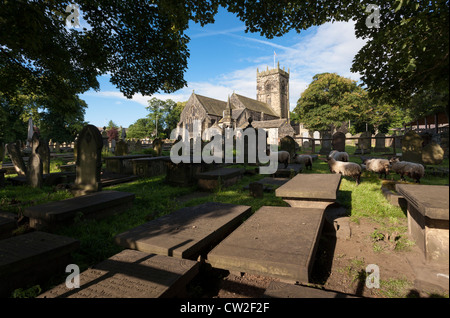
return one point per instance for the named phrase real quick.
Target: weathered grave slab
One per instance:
(33, 258)
(270, 184)
(291, 170)
(275, 241)
(149, 167)
(122, 164)
(284, 290)
(96, 205)
(131, 274)
(185, 233)
(428, 218)
(310, 190)
(223, 177)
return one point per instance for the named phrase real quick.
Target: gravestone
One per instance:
(33, 258)
(138, 146)
(364, 143)
(132, 274)
(187, 232)
(34, 173)
(275, 241)
(287, 143)
(57, 147)
(121, 148)
(89, 161)
(44, 154)
(326, 144)
(338, 142)
(157, 146)
(112, 146)
(432, 154)
(380, 142)
(412, 147)
(16, 158)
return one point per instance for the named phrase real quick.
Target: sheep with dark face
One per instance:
(303, 159)
(380, 166)
(284, 157)
(405, 168)
(348, 169)
(339, 155)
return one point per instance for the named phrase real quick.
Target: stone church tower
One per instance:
(272, 87)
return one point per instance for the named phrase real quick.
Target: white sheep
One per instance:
(284, 157)
(303, 159)
(349, 169)
(405, 168)
(380, 166)
(339, 155)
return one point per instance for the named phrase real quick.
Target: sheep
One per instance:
(349, 169)
(304, 159)
(380, 166)
(284, 157)
(339, 155)
(405, 168)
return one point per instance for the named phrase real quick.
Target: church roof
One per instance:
(256, 105)
(212, 106)
(275, 123)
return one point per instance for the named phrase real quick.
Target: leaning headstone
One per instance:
(380, 143)
(432, 154)
(121, 148)
(16, 158)
(44, 154)
(89, 161)
(326, 144)
(157, 146)
(34, 174)
(412, 147)
(338, 142)
(287, 143)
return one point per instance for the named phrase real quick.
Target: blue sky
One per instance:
(223, 59)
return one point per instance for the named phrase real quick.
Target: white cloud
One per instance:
(330, 48)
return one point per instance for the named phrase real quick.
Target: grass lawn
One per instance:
(154, 198)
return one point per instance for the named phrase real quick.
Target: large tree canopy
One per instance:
(332, 100)
(403, 60)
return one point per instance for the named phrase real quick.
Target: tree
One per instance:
(140, 129)
(142, 45)
(403, 59)
(329, 101)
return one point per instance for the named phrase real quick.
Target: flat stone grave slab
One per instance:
(122, 164)
(291, 169)
(310, 190)
(284, 290)
(269, 183)
(428, 218)
(275, 241)
(110, 179)
(223, 177)
(187, 232)
(131, 274)
(33, 258)
(96, 205)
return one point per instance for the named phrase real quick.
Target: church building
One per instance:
(270, 109)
